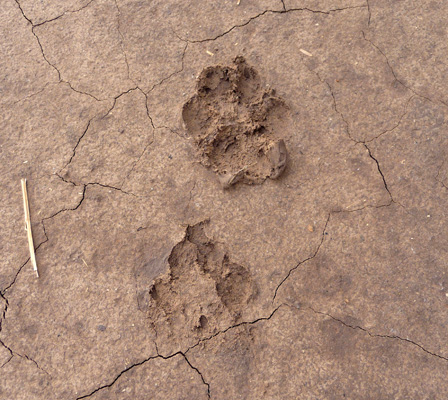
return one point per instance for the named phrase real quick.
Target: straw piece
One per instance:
(307, 53)
(26, 208)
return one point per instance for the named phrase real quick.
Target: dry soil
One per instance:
(229, 200)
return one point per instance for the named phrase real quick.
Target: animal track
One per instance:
(236, 124)
(203, 291)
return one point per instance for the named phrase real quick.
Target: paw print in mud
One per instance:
(237, 124)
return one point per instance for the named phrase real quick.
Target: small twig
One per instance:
(26, 208)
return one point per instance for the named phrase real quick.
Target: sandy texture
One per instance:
(228, 201)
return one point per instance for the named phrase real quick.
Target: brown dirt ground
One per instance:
(177, 259)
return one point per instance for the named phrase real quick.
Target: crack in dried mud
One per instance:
(10, 352)
(173, 73)
(35, 93)
(85, 185)
(270, 12)
(60, 80)
(405, 112)
(184, 354)
(38, 40)
(395, 75)
(178, 353)
(135, 164)
(122, 39)
(79, 91)
(305, 260)
(33, 26)
(438, 174)
(3, 291)
(147, 108)
(233, 327)
(380, 172)
(374, 335)
(45, 87)
(42, 221)
(33, 361)
(24, 356)
(77, 206)
(369, 13)
(199, 372)
(68, 209)
(111, 187)
(104, 116)
(77, 144)
(59, 16)
(335, 106)
(392, 201)
(347, 126)
(45, 57)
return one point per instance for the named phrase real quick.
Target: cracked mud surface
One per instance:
(328, 281)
